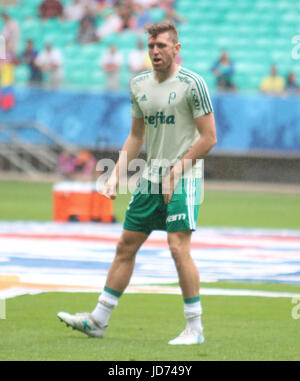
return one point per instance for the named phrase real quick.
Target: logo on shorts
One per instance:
(176, 217)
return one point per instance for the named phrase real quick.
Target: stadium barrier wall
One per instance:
(258, 135)
(245, 122)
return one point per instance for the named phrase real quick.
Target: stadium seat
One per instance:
(255, 33)
(21, 74)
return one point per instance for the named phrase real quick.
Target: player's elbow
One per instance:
(214, 141)
(211, 141)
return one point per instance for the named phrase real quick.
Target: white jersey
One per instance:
(169, 109)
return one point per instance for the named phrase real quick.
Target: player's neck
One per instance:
(161, 76)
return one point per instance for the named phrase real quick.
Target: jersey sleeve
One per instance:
(136, 112)
(198, 97)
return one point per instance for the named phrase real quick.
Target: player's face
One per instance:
(162, 51)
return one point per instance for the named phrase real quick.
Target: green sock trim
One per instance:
(194, 299)
(112, 292)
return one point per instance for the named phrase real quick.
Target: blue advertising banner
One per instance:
(245, 122)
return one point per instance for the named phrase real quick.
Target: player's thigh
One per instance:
(146, 210)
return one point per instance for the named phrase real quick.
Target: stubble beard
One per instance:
(165, 68)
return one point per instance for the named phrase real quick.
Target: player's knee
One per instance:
(177, 252)
(180, 252)
(125, 249)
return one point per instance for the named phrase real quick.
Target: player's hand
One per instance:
(110, 190)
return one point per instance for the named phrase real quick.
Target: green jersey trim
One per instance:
(202, 93)
(142, 73)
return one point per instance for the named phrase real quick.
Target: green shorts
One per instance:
(147, 210)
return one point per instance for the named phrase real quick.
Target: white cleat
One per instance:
(83, 322)
(188, 337)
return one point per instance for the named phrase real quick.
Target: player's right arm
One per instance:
(131, 149)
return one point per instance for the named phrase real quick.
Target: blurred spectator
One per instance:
(7, 97)
(273, 83)
(49, 61)
(178, 59)
(50, 9)
(137, 59)
(291, 86)
(143, 17)
(147, 3)
(167, 4)
(74, 11)
(66, 164)
(89, 15)
(223, 69)
(148, 62)
(85, 163)
(100, 5)
(11, 32)
(111, 63)
(28, 57)
(127, 17)
(112, 24)
(87, 32)
(122, 19)
(172, 16)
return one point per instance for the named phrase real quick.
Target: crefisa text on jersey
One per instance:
(154, 371)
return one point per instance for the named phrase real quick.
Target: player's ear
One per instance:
(177, 48)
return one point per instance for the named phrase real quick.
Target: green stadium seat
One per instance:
(98, 77)
(255, 33)
(157, 14)
(21, 74)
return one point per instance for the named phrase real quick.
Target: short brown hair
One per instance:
(161, 27)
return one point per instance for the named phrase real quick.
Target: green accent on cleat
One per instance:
(83, 322)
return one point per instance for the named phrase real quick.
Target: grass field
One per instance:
(236, 328)
(33, 201)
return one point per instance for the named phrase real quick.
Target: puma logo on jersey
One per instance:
(159, 118)
(176, 217)
(143, 98)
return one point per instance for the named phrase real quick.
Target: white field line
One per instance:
(17, 291)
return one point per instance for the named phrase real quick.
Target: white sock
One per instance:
(192, 313)
(195, 324)
(107, 301)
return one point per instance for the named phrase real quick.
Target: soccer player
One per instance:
(172, 113)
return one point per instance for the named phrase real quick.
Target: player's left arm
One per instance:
(208, 139)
